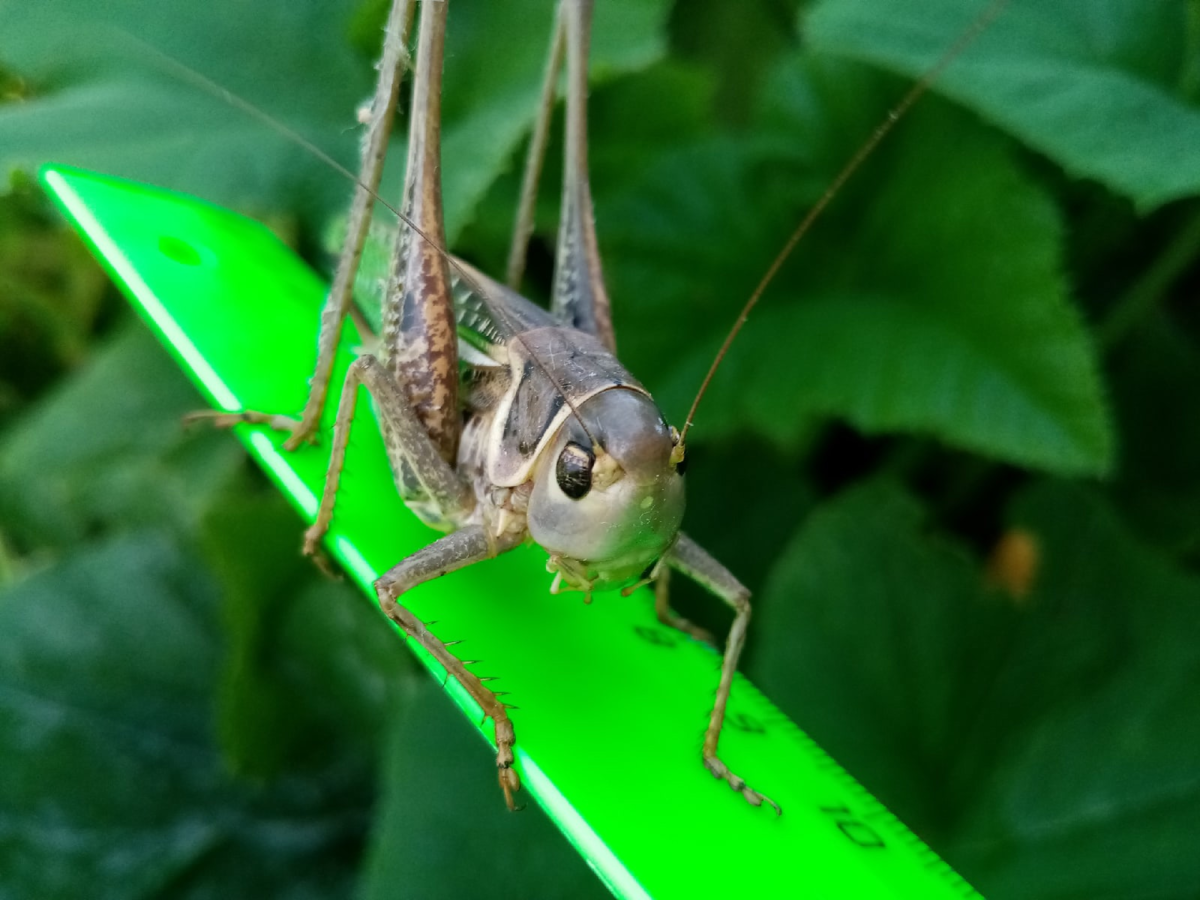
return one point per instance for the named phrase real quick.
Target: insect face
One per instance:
(607, 498)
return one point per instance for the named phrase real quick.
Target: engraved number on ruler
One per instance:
(855, 829)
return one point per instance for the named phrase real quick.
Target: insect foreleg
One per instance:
(668, 616)
(406, 438)
(693, 560)
(454, 551)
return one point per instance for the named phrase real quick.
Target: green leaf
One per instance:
(443, 829)
(1100, 796)
(112, 785)
(103, 98)
(937, 306)
(121, 110)
(878, 635)
(492, 87)
(304, 654)
(1048, 747)
(1098, 86)
(673, 102)
(1158, 483)
(51, 294)
(108, 450)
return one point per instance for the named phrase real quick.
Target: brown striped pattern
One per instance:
(419, 339)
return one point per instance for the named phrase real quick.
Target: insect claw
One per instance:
(488, 677)
(452, 643)
(509, 706)
(510, 783)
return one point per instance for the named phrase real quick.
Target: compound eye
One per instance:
(574, 470)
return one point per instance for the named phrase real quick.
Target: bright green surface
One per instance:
(612, 705)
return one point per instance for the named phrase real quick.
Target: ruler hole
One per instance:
(179, 251)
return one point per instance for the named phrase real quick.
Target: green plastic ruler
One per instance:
(612, 704)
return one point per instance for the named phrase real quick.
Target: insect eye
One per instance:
(574, 470)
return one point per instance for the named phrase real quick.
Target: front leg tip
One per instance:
(721, 771)
(510, 783)
(312, 540)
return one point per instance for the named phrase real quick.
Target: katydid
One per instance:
(505, 422)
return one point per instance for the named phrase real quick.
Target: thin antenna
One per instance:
(188, 74)
(894, 115)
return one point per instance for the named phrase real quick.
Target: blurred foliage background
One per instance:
(954, 453)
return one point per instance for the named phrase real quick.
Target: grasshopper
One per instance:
(505, 422)
(544, 435)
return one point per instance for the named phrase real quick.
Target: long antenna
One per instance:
(881, 131)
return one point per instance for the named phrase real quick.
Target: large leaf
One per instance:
(291, 633)
(107, 102)
(112, 784)
(1158, 484)
(101, 97)
(1097, 85)
(440, 831)
(1052, 743)
(1099, 797)
(108, 449)
(876, 629)
(937, 306)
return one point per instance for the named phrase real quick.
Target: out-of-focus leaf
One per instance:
(1093, 84)
(493, 86)
(1093, 798)
(940, 310)
(112, 784)
(260, 718)
(1048, 747)
(1158, 484)
(51, 294)
(305, 654)
(675, 105)
(104, 99)
(738, 43)
(110, 104)
(108, 449)
(870, 617)
(443, 829)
